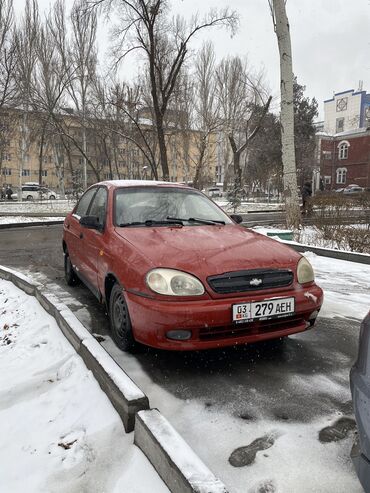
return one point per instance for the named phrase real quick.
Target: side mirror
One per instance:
(91, 222)
(235, 217)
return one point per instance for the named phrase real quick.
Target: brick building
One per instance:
(111, 156)
(344, 141)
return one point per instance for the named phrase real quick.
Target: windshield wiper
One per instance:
(152, 222)
(196, 220)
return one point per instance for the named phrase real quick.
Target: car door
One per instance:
(92, 240)
(73, 229)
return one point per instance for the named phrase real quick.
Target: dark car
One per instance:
(176, 272)
(360, 388)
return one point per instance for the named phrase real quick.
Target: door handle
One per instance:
(81, 236)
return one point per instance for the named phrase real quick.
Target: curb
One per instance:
(173, 459)
(25, 225)
(360, 258)
(160, 442)
(123, 393)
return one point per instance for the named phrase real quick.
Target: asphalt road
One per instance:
(38, 250)
(229, 379)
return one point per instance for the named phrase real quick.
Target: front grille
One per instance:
(250, 280)
(250, 328)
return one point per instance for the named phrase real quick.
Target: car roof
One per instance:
(141, 183)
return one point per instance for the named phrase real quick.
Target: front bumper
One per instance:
(210, 321)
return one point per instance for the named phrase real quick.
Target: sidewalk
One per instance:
(58, 430)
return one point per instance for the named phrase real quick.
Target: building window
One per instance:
(108, 176)
(342, 104)
(6, 171)
(339, 125)
(341, 176)
(44, 172)
(327, 180)
(343, 150)
(327, 154)
(26, 172)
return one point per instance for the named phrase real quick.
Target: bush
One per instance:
(332, 216)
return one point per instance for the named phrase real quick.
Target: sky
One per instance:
(330, 41)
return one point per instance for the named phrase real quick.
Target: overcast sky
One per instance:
(330, 41)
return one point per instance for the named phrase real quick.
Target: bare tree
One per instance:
(206, 111)
(49, 82)
(281, 27)
(244, 105)
(7, 80)
(25, 41)
(7, 53)
(145, 25)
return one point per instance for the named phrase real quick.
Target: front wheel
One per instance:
(29, 197)
(120, 322)
(69, 274)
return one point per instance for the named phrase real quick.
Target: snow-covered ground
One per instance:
(310, 235)
(294, 458)
(59, 432)
(28, 219)
(297, 461)
(41, 207)
(249, 206)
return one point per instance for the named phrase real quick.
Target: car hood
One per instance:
(209, 250)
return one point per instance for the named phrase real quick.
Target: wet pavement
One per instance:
(299, 381)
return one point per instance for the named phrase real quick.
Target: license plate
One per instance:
(265, 309)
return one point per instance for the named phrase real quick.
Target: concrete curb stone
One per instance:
(174, 460)
(160, 442)
(83, 342)
(360, 258)
(25, 225)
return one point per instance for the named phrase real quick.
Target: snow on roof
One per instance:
(145, 183)
(353, 131)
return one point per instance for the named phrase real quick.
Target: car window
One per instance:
(149, 203)
(98, 206)
(83, 205)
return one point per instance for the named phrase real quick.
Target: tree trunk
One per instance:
(293, 215)
(237, 171)
(162, 149)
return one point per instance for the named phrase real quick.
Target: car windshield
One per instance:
(157, 206)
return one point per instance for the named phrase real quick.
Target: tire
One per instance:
(120, 322)
(29, 197)
(52, 197)
(69, 274)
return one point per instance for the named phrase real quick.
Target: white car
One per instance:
(214, 192)
(35, 192)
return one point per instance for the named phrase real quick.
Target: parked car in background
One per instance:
(176, 272)
(214, 192)
(360, 388)
(353, 190)
(350, 190)
(36, 192)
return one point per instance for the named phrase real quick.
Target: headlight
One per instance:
(174, 283)
(304, 271)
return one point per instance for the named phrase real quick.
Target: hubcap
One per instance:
(119, 315)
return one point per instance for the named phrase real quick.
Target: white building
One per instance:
(347, 111)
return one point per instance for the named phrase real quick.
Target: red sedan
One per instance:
(176, 272)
